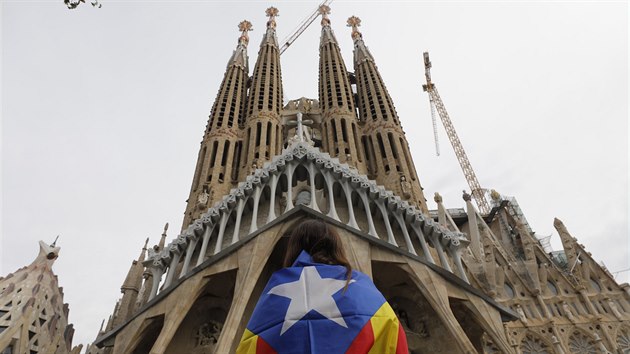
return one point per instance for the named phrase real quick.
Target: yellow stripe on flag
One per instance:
(248, 343)
(385, 328)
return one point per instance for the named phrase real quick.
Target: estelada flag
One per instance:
(311, 308)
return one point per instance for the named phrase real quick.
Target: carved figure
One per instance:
(405, 187)
(203, 197)
(521, 313)
(208, 334)
(567, 311)
(614, 308)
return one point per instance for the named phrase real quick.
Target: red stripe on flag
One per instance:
(362, 343)
(401, 347)
(263, 348)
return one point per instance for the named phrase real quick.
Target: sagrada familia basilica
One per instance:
(460, 281)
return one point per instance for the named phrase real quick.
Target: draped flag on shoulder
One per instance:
(307, 308)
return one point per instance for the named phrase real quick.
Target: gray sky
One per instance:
(103, 111)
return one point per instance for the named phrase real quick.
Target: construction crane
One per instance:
(302, 27)
(436, 104)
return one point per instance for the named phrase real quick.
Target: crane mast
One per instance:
(469, 173)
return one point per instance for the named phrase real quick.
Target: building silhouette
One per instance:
(460, 282)
(33, 316)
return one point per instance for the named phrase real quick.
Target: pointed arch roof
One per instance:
(301, 153)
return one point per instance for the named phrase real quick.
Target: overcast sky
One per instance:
(103, 111)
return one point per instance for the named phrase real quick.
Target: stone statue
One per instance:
(405, 187)
(254, 166)
(521, 313)
(203, 197)
(614, 308)
(567, 311)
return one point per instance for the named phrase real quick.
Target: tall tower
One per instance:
(340, 130)
(387, 151)
(262, 135)
(33, 316)
(217, 163)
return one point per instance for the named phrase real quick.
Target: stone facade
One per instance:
(33, 317)
(459, 281)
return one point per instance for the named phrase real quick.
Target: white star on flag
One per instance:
(310, 292)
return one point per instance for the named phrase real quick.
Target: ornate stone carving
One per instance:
(614, 308)
(207, 336)
(521, 313)
(405, 187)
(299, 153)
(579, 343)
(534, 345)
(567, 311)
(623, 341)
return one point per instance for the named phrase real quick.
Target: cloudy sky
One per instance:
(103, 111)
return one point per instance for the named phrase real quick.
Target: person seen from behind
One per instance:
(317, 304)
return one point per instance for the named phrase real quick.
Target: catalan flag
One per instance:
(311, 308)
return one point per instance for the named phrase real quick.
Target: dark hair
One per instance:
(318, 240)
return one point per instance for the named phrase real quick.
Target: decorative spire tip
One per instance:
(245, 26)
(271, 12)
(324, 10)
(354, 22)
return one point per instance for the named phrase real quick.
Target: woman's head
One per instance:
(318, 240)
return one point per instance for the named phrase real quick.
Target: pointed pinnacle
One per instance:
(354, 22)
(245, 26)
(324, 10)
(271, 12)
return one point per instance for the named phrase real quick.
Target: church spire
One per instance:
(131, 287)
(33, 316)
(217, 164)
(262, 135)
(387, 150)
(339, 120)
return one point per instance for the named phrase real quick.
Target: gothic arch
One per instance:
(425, 334)
(467, 321)
(273, 262)
(340, 202)
(302, 164)
(200, 329)
(146, 336)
